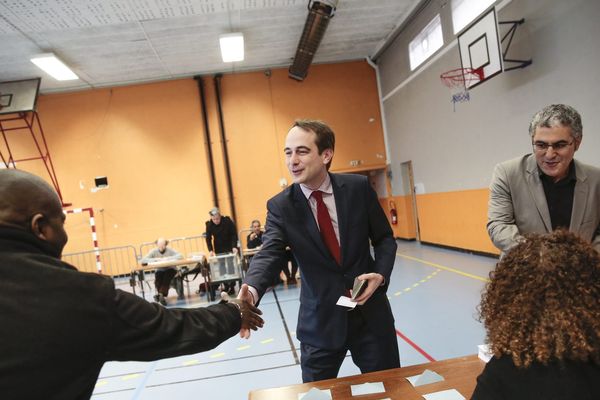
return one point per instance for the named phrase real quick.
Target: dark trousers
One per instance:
(369, 352)
(286, 269)
(162, 280)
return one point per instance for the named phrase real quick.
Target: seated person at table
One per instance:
(542, 315)
(254, 240)
(162, 276)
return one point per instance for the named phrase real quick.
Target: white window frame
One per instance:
(427, 42)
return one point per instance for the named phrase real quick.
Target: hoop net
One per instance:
(459, 80)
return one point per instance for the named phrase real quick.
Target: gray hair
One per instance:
(557, 114)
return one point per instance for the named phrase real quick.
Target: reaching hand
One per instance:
(250, 315)
(245, 295)
(234, 250)
(374, 281)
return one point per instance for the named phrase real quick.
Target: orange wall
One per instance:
(456, 219)
(149, 141)
(405, 228)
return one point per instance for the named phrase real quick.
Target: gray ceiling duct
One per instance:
(319, 14)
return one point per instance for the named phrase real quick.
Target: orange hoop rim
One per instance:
(459, 76)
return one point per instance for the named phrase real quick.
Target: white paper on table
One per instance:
(315, 394)
(484, 352)
(367, 388)
(425, 378)
(450, 394)
(346, 302)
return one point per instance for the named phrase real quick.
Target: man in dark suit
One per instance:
(329, 221)
(59, 325)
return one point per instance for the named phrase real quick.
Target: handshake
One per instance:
(251, 315)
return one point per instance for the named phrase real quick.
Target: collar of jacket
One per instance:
(18, 240)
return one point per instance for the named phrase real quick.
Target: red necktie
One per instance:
(326, 227)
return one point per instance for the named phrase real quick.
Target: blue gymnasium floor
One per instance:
(433, 293)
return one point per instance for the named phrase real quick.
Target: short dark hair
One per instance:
(325, 136)
(557, 114)
(253, 221)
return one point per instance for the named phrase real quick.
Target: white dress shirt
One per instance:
(329, 201)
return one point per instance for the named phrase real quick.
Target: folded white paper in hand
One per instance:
(345, 301)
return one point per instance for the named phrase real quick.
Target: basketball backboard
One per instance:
(480, 49)
(19, 96)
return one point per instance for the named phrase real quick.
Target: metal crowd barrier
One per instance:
(145, 248)
(190, 246)
(113, 261)
(187, 246)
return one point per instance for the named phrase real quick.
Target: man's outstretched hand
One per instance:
(250, 315)
(245, 295)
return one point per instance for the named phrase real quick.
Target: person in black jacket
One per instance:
(541, 310)
(221, 238)
(59, 325)
(254, 240)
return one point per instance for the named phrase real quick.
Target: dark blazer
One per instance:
(361, 221)
(59, 325)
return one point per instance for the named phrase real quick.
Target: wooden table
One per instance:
(200, 259)
(459, 373)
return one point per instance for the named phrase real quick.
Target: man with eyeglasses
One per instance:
(546, 189)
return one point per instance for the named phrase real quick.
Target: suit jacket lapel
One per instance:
(579, 198)
(537, 192)
(307, 220)
(340, 193)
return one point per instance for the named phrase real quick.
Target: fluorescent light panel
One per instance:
(50, 64)
(232, 46)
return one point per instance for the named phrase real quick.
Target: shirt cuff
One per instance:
(254, 294)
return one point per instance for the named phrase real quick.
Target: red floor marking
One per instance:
(414, 346)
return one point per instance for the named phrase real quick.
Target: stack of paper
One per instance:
(425, 378)
(367, 388)
(315, 394)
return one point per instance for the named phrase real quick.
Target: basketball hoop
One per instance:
(459, 80)
(461, 77)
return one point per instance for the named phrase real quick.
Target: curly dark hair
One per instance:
(543, 301)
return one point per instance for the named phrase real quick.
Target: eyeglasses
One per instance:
(558, 146)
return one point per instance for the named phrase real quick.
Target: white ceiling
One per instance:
(111, 42)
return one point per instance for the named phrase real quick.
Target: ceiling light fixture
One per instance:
(232, 46)
(50, 64)
(319, 14)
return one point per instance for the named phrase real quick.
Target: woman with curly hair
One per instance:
(541, 310)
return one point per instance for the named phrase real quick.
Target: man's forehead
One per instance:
(298, 137)
(556, 129)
